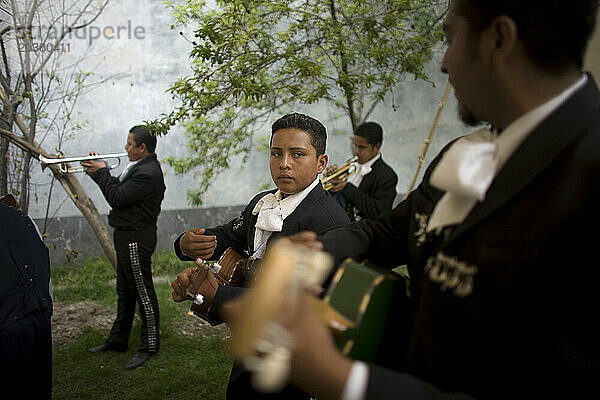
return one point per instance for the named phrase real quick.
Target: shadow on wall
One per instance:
(72, 240)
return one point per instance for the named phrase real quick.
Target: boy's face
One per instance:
(294, 163)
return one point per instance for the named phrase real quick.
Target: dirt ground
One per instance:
(70, 320)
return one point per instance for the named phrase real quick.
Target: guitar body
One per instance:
(230, 269)
(365, 294)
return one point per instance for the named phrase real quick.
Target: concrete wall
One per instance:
(592, 59)
(72, 240)
(132, 76)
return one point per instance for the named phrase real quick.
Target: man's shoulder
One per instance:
(149, 166)
(149, 163)
(383, 168)
(16, 226)
(11, 217)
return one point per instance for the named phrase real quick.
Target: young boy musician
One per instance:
(371, 189)
(297, 157)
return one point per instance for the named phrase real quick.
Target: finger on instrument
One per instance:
(197, 231)
(176, 295)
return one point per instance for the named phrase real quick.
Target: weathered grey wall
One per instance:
(133, 76)
(73, 237)
(133, 72)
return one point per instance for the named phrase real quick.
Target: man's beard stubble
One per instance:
(467, 117)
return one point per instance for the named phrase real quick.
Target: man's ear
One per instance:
(143, 148)
(499, 41)
(322, 162)
(377, 147)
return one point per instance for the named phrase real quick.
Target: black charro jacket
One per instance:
(527, 329)
(135, 201)
(24, 268)
(374, 195)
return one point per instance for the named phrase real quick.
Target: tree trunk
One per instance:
(3, 166)
(4, 117)
(77, 194)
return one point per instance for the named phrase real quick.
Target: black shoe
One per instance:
(105, 347)
(137, 360)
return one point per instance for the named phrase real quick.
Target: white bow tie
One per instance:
(360, 171)
(468, 166)
(465, 172)
(270, 219)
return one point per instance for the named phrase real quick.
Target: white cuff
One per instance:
(356, 384)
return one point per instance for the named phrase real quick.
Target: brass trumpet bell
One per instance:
(65, 168)
(342, 173)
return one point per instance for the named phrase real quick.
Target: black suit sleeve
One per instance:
(232, 234)
(178, 251)
(385, 384)
(371, 205)
(387, 240)
(126, 193)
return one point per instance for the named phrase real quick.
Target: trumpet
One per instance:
(65, 168)
(342, 173)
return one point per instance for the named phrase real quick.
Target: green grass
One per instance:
(185, 367)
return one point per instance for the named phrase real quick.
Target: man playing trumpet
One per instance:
(135, 197)
(371, 189)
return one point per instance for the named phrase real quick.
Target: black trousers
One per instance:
(26, 358)
(134, 283)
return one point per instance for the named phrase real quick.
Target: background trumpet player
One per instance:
(135, 198)
(371, 189)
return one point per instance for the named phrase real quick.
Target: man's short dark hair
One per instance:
(315, 129)
(371, 131)
(555, 33)
(141, 134)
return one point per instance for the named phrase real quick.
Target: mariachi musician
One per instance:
(297, 157)
(135, 197)
(371, 188)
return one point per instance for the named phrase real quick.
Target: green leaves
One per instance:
(252, 57)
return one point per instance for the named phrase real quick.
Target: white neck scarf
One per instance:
(362, 170)
(465, 172)
(469, 166)
(272, 210)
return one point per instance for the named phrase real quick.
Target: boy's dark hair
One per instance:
(555, 33)
(141, 134)
(315, 129)
(371, 131)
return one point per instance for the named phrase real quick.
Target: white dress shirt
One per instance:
(126, 170)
